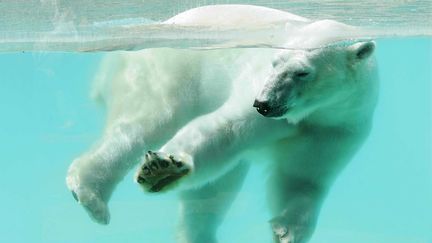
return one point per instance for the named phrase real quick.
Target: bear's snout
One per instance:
(267, 110)
(262, 107)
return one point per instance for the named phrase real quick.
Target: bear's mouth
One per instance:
(278, 112)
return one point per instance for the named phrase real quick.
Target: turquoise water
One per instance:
(47, 119)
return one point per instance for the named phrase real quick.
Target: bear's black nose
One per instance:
(262, 107)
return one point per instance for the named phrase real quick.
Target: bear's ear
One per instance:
(361, 50)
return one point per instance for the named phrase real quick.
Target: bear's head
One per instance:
(303, 81)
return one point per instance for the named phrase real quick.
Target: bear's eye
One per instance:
(283, 75)
(301, 74)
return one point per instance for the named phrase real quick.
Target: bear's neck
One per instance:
(341, 116)
(352, 111)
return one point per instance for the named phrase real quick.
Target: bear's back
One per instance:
(196, 81)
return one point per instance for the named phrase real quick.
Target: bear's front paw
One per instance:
(160, 171)
(285, 232)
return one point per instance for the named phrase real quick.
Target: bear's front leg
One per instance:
(305, 167)
(296, 221)
(207, 147)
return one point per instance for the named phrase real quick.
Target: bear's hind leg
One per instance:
(93, 176)
(203, 209)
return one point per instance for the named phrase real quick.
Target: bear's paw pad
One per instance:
(160, 170)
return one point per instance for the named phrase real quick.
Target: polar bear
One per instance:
(202, 116)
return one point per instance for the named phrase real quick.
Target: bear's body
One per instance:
(196, 108)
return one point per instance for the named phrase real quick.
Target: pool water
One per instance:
(47, 119)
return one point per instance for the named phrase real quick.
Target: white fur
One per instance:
(232, 15)
(197, 105)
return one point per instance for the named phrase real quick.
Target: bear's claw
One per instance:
(75, 196)
(160, 170)
(93, 204)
